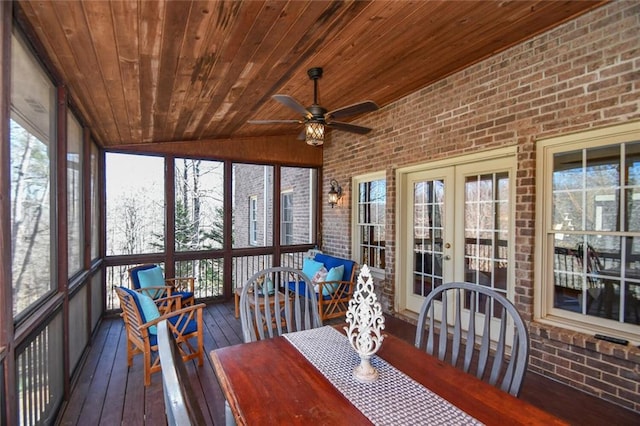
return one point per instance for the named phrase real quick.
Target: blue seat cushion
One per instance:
(179, 322)
(134, 296)
(183, 294)
(191, 327)
(303, 289)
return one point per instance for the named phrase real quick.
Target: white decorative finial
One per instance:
(366, 322)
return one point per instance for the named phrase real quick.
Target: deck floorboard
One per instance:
(107, 392)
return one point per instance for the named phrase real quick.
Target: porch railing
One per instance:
(209, 273)
(39, 375)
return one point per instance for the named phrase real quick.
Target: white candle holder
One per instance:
(366, 323)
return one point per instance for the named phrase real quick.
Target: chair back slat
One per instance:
(484, 355)
(499, 351)
(131, 316)
(457, 331)
(485, 340)
(468, 353)
(510, 369)
(442, 346)
(180, 401)
(287, 304)
(431, 331)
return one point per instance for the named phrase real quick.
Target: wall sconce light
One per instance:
(314, 133)
(335, 193)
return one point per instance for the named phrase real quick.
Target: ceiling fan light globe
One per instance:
(314, 133)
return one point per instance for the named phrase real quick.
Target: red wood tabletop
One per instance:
(271, 382)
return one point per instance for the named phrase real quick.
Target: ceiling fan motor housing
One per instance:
(317, 113)
(315, 73)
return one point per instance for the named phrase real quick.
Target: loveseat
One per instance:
(333, 290)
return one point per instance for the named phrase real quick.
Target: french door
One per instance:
(458, 226)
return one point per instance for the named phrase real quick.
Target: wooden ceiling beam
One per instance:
(266, 149)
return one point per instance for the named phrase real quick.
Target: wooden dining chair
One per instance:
(180, 402)
(270, 307)
(471, 346)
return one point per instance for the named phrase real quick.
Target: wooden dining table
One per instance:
(270, 382)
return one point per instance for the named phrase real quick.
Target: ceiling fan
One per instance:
(316, 118)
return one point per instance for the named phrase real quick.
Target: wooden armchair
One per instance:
(150, 278)
(141, 315)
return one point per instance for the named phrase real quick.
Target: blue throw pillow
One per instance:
(310, 267)
(334, 274)
(149, 310)
(151, 277)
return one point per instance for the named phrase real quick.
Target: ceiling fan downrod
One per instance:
(315, 74)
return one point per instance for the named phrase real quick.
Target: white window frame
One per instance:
(356, 248)
(283, 222)
(253, 220)
(544, 310)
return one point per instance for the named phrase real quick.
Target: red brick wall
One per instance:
(581, 75)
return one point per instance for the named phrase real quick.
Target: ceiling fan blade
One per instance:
(348, 127)
(290, 102)
(274, 122)
(349, 110)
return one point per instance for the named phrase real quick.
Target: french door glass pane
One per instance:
(486, 227)
(371, 222)
(428, 227)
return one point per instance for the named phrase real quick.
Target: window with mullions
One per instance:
(369, 239)
(253, 220)
(591, 233)
(286, 218)
(32, 156)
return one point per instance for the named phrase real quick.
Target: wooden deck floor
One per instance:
(108, 393)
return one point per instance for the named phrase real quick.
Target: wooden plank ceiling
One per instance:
(155, 71)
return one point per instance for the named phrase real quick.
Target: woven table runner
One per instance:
(393, 399)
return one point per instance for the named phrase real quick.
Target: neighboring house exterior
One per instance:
(253, 206)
